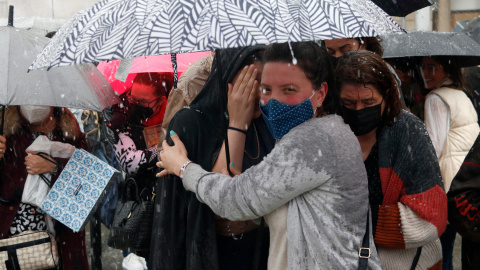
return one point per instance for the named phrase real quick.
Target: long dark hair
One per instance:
(312, 59)
(367, 68)
(454, 71)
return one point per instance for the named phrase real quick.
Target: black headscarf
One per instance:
(184, 234)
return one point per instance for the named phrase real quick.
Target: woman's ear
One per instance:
(320, 95)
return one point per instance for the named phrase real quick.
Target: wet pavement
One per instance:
(111, 258)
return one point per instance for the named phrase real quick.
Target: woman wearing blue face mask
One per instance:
(409, 208)
(312, 188)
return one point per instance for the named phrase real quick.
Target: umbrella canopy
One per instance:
(120, 73)
(472, 28)
(402, 8)
(114, 29)
(416, 43)
(81, 86)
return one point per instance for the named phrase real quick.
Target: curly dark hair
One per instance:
(367, 68)
(312, 59)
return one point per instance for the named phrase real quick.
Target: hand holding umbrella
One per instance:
(3, 146)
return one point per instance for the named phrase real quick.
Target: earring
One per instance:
(319, 104)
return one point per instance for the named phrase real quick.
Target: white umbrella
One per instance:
(122, 29)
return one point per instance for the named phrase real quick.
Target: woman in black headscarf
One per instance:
(184, 233)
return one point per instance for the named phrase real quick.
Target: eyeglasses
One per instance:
(144, 103)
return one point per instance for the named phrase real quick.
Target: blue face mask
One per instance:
(281, 118)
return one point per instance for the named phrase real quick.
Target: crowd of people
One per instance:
(304, 155)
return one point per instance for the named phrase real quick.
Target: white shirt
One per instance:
(437, 121)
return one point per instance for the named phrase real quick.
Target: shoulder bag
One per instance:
(132, 223)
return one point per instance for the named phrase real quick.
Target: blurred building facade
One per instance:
(47, 15)
(443, 15)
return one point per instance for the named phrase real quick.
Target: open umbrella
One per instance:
(114, 29)
(120, 73)
(80, 86)
(402, 8)
(472, 28)
(417, 44)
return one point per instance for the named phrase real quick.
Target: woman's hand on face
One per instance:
(37, 164)
(3, 146)
(241, 98)
(173, 157)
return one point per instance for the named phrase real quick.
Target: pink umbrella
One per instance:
(156, 63)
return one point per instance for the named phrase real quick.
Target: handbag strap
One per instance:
(47, 157)
(416, 258)
(364, 251)
(125, 186)
(46, 180)
(50, 159)
(12, 262)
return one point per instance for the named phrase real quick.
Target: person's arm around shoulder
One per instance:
(280, 177)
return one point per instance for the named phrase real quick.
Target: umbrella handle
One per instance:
(14, 199)
(3, 120)
(10, 15)
(175, 72)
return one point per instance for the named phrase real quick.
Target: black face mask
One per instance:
(136, 113)
(333, 61)
(363, 121)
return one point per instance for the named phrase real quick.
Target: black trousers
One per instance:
(470, 255)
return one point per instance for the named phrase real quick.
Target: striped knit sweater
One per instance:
(414, 209)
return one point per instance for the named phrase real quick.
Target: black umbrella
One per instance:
(401, 8)
(458, 46)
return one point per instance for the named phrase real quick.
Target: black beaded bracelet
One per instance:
(239, 130)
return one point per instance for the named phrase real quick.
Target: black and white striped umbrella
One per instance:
(120, 29)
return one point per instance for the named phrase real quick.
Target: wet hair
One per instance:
(372, 44)
(163, 82)
(366, 68)
(253, 58)
(454, 72)
(312, 59)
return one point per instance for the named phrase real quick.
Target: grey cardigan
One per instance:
(317, 168)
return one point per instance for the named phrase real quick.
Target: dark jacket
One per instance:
(13, 176)
(184, 234)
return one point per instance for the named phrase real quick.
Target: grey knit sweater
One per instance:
(318, 169)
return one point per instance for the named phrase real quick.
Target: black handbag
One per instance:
(132, 224)
(464, 196)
